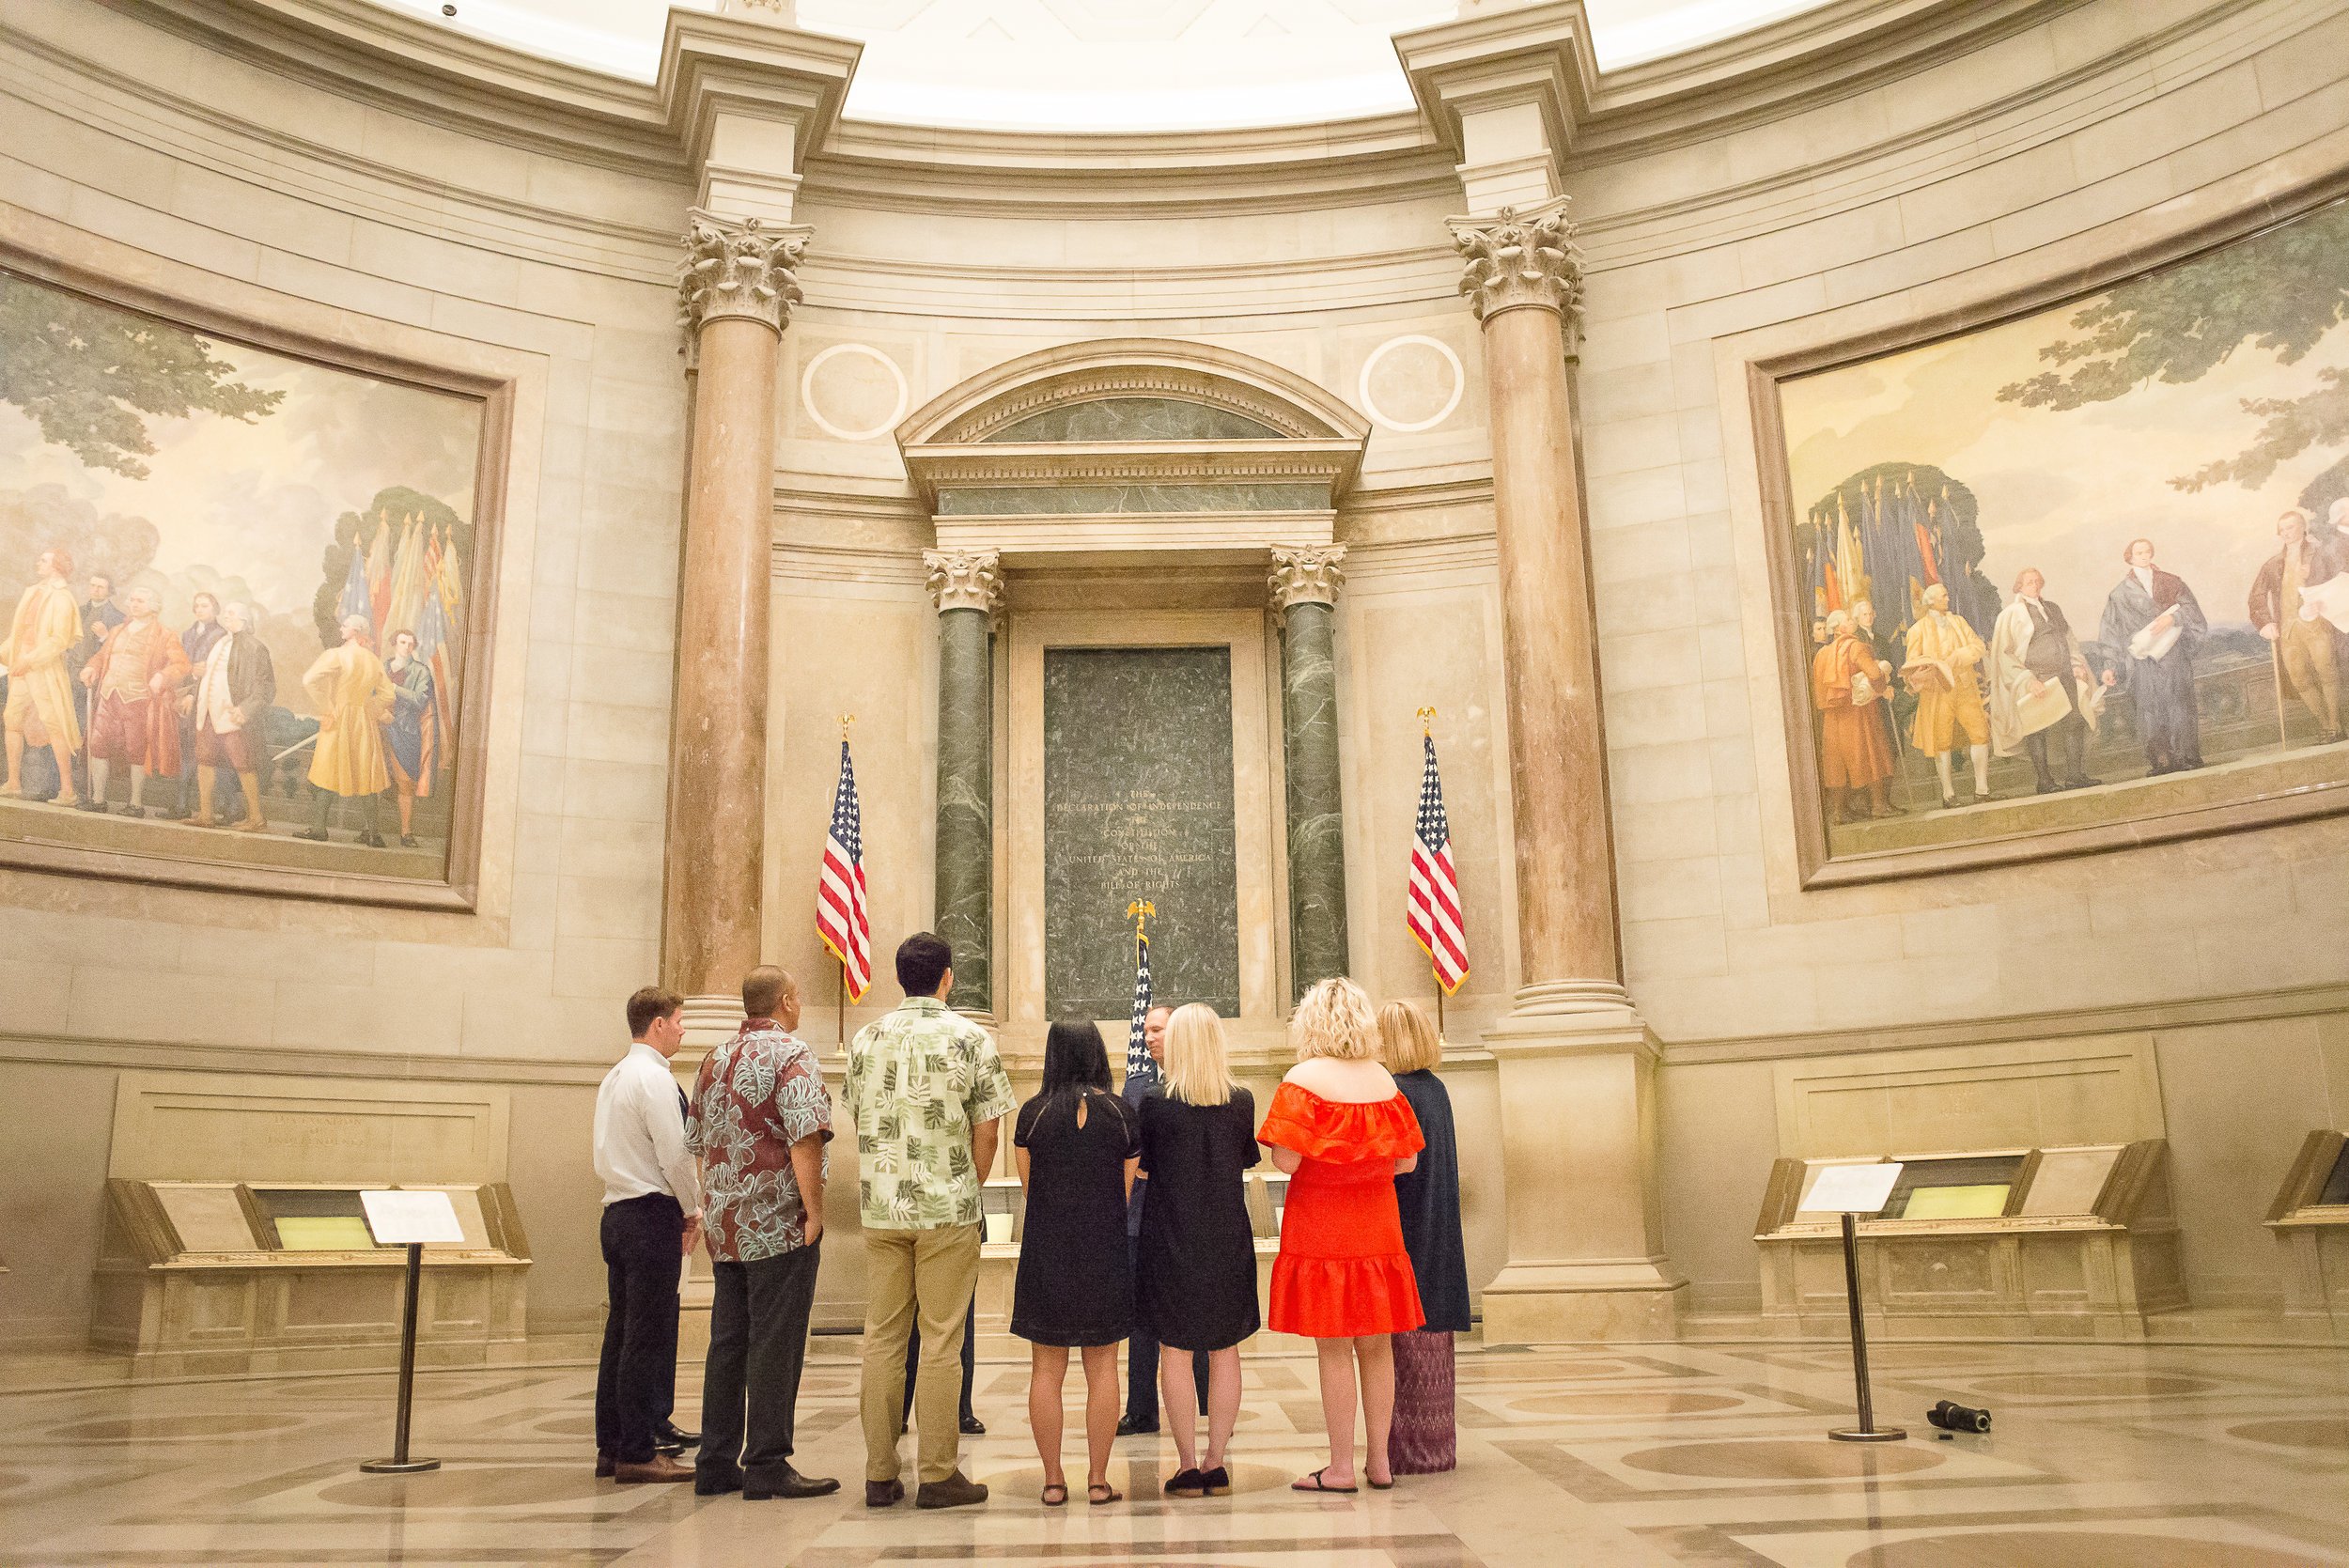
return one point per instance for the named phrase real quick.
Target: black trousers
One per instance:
(643, 1250)
(970, 1362)
(1141, 1364)
(757, 1346)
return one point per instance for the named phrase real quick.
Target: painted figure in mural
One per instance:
(134, 682)
(2307, 650)
(1944, 670)
(234, 687)
(1849, 683)
(47, 627)
(1889, 647)
(352, 695)
(2041, 687)
(411, 735)
(196, 642)
(2153, 621)
(99, 616)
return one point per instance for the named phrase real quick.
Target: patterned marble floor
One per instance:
(1689, 1454)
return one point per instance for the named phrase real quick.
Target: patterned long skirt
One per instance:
(1425, 1439)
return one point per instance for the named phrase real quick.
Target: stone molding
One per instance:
(965, 579)
(1311, 576)
(745, 269)
(1517, 259)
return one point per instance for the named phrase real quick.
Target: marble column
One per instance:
(736, 290)
(1577, 1063)
(968, 588)
(1305, 587)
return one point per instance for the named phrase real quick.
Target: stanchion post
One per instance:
(399, 1463)
(1867, 1430)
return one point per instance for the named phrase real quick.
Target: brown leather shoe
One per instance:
(660, 1467)
(956, 1491)
(884, 1494)
(603, 1467)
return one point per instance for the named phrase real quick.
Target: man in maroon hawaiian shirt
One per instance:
(759, 1121)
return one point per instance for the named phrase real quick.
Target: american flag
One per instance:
(1140, 1068)
(841, 920)
(1434, 913)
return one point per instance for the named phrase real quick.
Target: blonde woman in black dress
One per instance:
(1197, 1288)
(1076, 1146)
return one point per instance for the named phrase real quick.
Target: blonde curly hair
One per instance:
(1333, 1018)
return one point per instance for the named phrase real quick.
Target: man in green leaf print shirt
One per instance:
(926, 1093)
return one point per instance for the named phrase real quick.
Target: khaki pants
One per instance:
(930, 1272)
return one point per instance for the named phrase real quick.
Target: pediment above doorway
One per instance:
(1132, 446)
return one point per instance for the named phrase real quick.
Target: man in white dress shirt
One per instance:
(651, 1221)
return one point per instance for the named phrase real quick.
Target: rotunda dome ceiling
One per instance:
(1100, 65)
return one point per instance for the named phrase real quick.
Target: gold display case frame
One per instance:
(2092, 1257)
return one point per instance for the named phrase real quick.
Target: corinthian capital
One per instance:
(1521, 258)
(965, 579)
(739, 268)
(1310, 576)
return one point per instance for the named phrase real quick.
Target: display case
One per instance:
(197, 1276)
(2069, 1242)
(2310, 1219)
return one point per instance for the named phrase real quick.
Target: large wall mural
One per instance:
(242, 598)
(2077, 578)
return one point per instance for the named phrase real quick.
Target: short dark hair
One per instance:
(648, 1005)
(105, 577)
(922, 960)
(763, 990)
(1075, 1057)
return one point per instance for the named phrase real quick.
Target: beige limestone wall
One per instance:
(2031, 153)
(2064, 147)
(143, 155)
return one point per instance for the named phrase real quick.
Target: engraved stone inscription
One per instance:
(1138, 804)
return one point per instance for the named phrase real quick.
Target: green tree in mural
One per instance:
(2279, 293)
(88, 375)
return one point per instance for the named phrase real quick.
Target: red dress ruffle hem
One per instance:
(1342, 1272)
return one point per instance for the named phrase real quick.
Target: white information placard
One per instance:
(396, 1218)
(1852, 1188)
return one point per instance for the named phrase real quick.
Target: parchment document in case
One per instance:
(1852, 1188)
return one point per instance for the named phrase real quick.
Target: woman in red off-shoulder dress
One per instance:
(1342, 1130)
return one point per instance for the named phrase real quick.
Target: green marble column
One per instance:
(966, 587)
(1304, 586)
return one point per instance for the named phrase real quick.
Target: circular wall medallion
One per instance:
(1411, 382)
(854, 392)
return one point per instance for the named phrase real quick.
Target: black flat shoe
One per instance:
(1128, 1427)
(973, 1427)
(668, 1438)
(1187, 1483)
(1217, 1481)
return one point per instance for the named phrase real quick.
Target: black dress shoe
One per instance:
(884, 1494)
(973, 1427)
(1128, 1427)
(707, 1484)
(668, 1438)
(790, 1484)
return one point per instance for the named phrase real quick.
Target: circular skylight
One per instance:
(1098, 64)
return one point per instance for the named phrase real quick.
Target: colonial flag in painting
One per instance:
(1434, 913)
(1140, 1068)
(841, 921)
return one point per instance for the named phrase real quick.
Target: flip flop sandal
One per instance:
(1108, 1493)
(1320, 1486)
(1050, 1501)
(1386, 1486)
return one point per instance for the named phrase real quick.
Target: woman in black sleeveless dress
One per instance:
(1197, 1287)
(1075, 1145)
